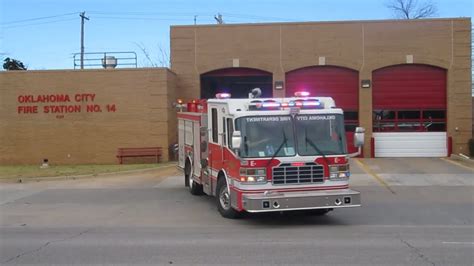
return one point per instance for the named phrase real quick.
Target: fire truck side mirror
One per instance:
(359, 137)
(236, 140)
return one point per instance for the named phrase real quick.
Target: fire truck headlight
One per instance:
(251, 179)
(339, 171)
(253, 175)
(253, 172)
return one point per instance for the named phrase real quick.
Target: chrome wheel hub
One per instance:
(224, 199)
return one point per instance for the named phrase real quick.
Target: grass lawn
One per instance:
(32, 171)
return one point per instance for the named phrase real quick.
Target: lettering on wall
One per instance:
(61, 104)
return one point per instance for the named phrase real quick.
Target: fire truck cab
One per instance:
(267, 154)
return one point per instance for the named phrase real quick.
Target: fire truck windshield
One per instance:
(263, 136)
(320, 134)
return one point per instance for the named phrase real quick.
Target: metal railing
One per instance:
(100, 59)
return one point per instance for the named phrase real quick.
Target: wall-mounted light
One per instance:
(279, 85)
(365, 83)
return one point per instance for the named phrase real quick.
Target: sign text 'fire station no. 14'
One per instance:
(61, 104)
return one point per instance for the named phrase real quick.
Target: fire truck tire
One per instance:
(223, 200)
(194, 188)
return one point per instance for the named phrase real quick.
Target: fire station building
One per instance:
(407, 82)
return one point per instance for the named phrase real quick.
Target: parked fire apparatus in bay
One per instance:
(267, 154)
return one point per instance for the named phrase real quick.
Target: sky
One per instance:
(44, 34)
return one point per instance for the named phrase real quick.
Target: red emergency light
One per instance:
(297, 164)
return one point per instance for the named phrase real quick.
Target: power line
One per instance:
(34, 24)
(174, 14)
(39, 18)
(143, 18)
(137, 13)
(234, 15)
(140, 16)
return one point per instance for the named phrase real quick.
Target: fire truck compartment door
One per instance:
(181, 143)
(196, 149)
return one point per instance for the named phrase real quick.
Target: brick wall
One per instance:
(143, 115)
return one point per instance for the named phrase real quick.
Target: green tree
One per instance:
(13, 64)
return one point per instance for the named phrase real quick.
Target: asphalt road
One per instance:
(415, 212)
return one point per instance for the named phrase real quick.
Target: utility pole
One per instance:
(195, 17)
(83, 16)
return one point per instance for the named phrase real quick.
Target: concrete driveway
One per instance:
(149, 219)
(416, 171)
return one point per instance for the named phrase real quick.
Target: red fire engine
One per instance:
(267, 154)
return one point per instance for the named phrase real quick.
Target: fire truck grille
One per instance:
(288, 174)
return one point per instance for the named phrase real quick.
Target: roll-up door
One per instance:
(409, 111)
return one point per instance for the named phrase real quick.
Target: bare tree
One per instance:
(412, 9)
(161, 59)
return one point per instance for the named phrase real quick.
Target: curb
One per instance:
(462, 158)
(75, 177)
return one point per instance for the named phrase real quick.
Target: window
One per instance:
(230, 131)
(384, 114)
(214, 125)
(408, 115)
(409, 120)
(434, 114)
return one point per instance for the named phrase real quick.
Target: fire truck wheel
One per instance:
(223, 200)
(194, 188)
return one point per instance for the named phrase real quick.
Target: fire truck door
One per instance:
(215, 141)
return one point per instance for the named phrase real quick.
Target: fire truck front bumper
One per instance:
(308, 200)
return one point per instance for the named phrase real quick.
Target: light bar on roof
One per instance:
(306, 103)
(271, 105)
(302, 94)
(312, 103)
(223, 95)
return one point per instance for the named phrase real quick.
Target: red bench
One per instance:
(139, 152)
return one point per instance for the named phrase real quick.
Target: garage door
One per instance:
(409, 144)
(409, 111)
(330, 81)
